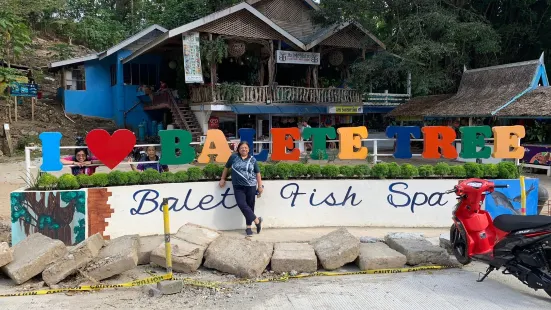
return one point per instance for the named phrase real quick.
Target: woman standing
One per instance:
(246, 180)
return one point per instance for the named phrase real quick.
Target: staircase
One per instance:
(184, 117)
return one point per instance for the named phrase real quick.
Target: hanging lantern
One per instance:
(336, 58)
(172, 64)
(236, 48)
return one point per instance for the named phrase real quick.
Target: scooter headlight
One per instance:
(475, 184)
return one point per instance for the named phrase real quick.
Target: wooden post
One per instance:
(271, 63)
(33, 99)
(15, 107)
(8, 138)
(212, 75)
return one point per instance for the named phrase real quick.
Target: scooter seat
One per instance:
(509, 223)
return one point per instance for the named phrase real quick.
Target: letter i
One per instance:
(51, 142)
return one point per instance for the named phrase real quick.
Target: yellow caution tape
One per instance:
(146, 281)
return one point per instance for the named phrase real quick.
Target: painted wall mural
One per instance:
(56, 214)
(507, 200)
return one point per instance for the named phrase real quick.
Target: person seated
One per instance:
(81, 162)
(151, 153)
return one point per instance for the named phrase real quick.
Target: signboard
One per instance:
(23, 90)
(537, 154)
(214, 122)
(192, 58)
(346, 109)
(302, 58)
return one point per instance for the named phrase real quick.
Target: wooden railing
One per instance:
(283, 94)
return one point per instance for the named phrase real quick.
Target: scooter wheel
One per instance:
(460, 248)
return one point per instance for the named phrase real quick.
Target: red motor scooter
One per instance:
(519, 244)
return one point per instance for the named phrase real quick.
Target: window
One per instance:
(140, 74)
(75, 78)
(113, 75)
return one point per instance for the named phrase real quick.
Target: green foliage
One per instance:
(283, 170)
(134, 177)
(299, 170)
(473, 170)
(118, 178)
(393, 170)
(84, 180)
(195, 174)
(346, 171)
(490, 170)
(47, 181)
(181, 177)
(362, 171)
(380, 170)
(67, 181)
(425, 170)
(213, 51)
(15, 36)
(167, 177)
(330, 171)
(231, 92)
(314, 170)
(150, 176)
(28, 141)
(270, 171)
(99, 179)
(458, 171)
(508, 170)
(80, 231)
(261, 167)
(212, 171)
(62, 51)
(442, 169)
(408, 171)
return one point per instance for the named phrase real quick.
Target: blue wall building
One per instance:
(99, 85)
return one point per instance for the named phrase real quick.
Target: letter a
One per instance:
(221, 148)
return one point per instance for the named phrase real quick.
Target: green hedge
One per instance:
(283, 171)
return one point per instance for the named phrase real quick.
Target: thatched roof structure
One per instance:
(536, 103)
(485, 90)
(418, 107)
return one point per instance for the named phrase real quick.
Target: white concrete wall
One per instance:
(391, 203)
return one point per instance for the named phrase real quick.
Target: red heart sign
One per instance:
(111, 150)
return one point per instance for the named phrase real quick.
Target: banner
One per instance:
(23, 89)
(192, 58)
(302, 58)
(346, 110)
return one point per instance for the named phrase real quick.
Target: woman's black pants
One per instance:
(245, 198)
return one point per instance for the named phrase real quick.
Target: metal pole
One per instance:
(522, 196)
(375, 151)
(168, 249)
(28, 164)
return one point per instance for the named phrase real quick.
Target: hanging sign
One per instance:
(302, 58)
(23, 90)
(345, 110)
(192, 58)
(214, 122)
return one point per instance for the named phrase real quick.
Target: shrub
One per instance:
(490, 170)
(84, 180)
(408, 171)
(99, 179)
(380, 170)
(261, 167)
(46, 181)
(150, 176)
(283, 170)
(508, 170)
(299, 170)
(458, 171)
(181, 177)
(167, 177)
(346, 171)
(425, 171)
(394, 170)
(134, 177)
(270, 172)
(442, 169)
(362, 171)
(117, 178)
(473, 170)
(195, 174)
(314, 171)
(67, 181)
(212, 172)
(330, 171)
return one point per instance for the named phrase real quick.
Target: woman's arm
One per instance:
(222, 182)
(259, 182)
(67, 162)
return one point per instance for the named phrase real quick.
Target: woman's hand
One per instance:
(222, 183)
(260, 189)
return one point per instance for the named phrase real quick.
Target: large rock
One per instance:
(418, 250)
(239, 256)
(188, 247)
(299, 257)
(120, 255)
(445, 242)
(76, 258)
(379, 256)
(186, 257)
(6, 254)
(32, 255)
(336, 249)
(147, 245)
